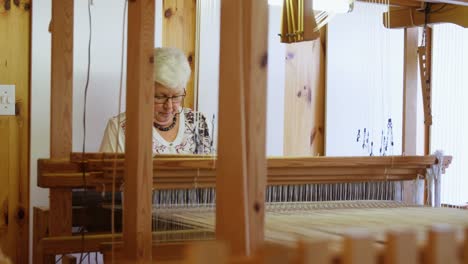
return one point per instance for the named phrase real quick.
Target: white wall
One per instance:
(364, 81)
(40, 103)
(208, 70)
(276, 83)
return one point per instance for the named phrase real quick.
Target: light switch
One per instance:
(7, 99)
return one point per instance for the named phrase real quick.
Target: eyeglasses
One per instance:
(164, 99)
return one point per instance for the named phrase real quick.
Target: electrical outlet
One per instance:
(7, 99)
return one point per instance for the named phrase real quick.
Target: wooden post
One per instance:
(40, 230)
(207, 252)
(313, 252)
(410, 99)
(60, 220)
(179, 31)
(138, 137)
(442, 246)
(304, 99)
(358, 248)
(241, 168)
(401, 248)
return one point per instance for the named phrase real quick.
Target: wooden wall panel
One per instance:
(304, 107)
(179, 31)
(15, 28)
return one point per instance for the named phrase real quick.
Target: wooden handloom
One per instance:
(242, 127)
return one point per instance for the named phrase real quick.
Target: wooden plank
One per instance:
(255, 47)
(40, 231)
(313, 252)
(442, 246)
(413, 17)
(6, 244)
(138, 137)
(304, 102)
(14, 69)
(163, 253)
(186, 173)
(207, 252)
(241, 167)
(273, 253)
(410, 99)
(61, 108)
(401, 248)
(179, 31)
(410, 92)
(359, 248)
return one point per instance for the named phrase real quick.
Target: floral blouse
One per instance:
(193, 136)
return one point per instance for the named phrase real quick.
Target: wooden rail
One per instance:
(191, 171)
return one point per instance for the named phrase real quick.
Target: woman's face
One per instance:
(167, 103)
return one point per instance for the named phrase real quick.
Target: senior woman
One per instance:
(176, 130)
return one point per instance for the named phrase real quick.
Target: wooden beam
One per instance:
(240, 185)
(401, 247)
(410, 102)
(15, 47)
(189, 172)
(179, 31)
(410, 92)
(138, 137)
(442, 246)
(40, 231)
(359, 248)
(61, 108)
(415, 17)
(304, 99)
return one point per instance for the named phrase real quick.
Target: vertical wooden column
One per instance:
(304, 100)
(179, 31)
(60, 220)
(241, 168)
(410, 103)
(40, 230)
(138, 138)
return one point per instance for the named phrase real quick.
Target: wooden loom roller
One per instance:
(179, 173)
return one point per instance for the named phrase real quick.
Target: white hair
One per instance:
(171, 68)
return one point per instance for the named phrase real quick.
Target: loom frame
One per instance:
(61, 104)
